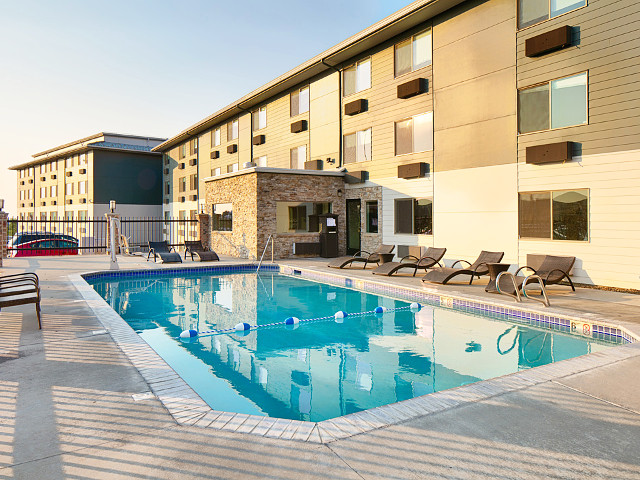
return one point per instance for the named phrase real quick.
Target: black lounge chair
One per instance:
(477, 268)
(164, 251)
(20, 289)
(427, 260)
(196, 248)
(362, 257)
(551, 271)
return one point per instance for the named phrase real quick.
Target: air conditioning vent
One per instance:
(215, 154)
(413, 170)
(299, 126)
(413, 88)
(69, 202)
(83, 200)
(193, 197)
(548, 42)
(193, 162)
(355, 107)
(181, 166)
(43, 179)
(54, 176)
(549, 153)
(69, 174)
(83, 171)
(232, 148)
(258, 140)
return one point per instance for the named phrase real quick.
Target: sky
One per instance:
(69, 69)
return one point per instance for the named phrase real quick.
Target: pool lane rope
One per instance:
(338, 317)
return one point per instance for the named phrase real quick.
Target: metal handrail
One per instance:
(515, 295)
(545, 302)
(270, 239)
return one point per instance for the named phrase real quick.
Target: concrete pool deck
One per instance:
(67, 411)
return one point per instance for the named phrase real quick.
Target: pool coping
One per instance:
(188, 409)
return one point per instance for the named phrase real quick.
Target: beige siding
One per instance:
(324, 118)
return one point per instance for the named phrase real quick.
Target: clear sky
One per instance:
(69, 69)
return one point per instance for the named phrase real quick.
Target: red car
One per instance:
(36, 243)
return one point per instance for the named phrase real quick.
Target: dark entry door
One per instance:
(353, 226)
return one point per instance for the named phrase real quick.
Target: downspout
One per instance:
(339, 109)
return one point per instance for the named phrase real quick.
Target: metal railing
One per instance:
(516, 295)
(64, 236)
(270, 239)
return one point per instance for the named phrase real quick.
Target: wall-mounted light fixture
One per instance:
(112, 206)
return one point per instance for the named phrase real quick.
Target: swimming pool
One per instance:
(323, 369)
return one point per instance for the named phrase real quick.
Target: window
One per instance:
(531, 12)
(222, 217)
(182, 152)
(30, 194)
(30, 171)
(292, 217)
(43, 192)
(372, 216)
(298, 157)
(357, 146)
(298, 218)
(259, 118)
(82, 215)
(68, 215)
(232, 130)
(21, 194)
(54, 166)
(68, 163)
(21, 173)
(83, 159)
(414, 134)
(43, 168)
(261, 161)
(54, 190)
(357, 78)
(193, 182)
(556, 104)
(557, 215)
(413, 53)
(300, 101)
(53, 216)
(182, 184)
(232, 168)
(68, 189)
(193, 146)
(167, 188)
(43, 216)
(215, 137)
(414, 216)
(82, 188)
(216, 171)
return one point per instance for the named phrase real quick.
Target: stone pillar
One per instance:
(4, 233)
(108, 239)
(204, 229)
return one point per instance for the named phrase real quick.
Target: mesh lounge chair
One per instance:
(164, 251)
(552, 271)
(430, 258)
(196, 248)
(477, 268)
(361, 257)
(20, 289)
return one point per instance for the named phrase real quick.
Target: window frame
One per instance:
(230, 128)
(306, 152)
(367, 204)
(214, 224)
(395, 146)
(550, 238)
(519, 29)
(213, 137)
(298, 90)
(413, 215)
(411, 38)
(548, 82)
(257, 112)
(356, 135)
(356, 65)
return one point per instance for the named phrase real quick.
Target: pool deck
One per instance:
(67, 408)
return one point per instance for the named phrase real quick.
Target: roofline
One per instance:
(404, 19)
(91, 137)
(81, 148)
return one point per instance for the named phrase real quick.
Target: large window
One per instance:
(300, 101)
(54, 190)
(357, 146)
(182, 184)
(372, 216)
(215, 137)
(557, 215)
(261, 161)
(193, 146)
(414, 216)
(193, 181)
(298, 157)
(259, 118)
(232, 130)
(43, 168)
(555, 104)
(300, 217)
(68, 163)
(413, 53)
(531, 12)
(232, 168)
(222, 217)
(68, 189)
(82, 187)
(43, 192)
(414, 134)
(357, 78)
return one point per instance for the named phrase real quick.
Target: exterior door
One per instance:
(353, 226)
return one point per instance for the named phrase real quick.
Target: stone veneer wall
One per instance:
(239, 190)
(368, 241)
(276, 187)
(4, 232)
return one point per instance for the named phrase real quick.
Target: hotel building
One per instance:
(503, 125)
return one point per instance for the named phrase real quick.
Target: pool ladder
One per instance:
(544, 300)
(270, 239)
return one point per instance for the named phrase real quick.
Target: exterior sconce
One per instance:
(112, 206)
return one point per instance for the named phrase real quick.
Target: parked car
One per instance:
(41, 243)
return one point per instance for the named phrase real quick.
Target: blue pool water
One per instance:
(322, 369)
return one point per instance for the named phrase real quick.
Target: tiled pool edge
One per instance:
(187, 408)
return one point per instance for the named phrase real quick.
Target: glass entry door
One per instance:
(353, 226)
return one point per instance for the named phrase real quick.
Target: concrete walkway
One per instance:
(67, 411)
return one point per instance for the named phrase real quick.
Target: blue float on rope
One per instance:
(241, 327)
(340, 314)
(415, 307)
(189, 334)
(292, 321)
(380, 309)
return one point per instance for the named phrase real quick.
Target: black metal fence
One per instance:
(90, 236)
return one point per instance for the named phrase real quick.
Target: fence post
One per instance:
(4, 233)
(108, 216)
(204, 229)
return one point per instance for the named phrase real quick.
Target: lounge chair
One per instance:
(196, 248)
(477, 268)
(427, 260)
(20, 289)
(362, 257)
(552, 271)
(164, 251)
